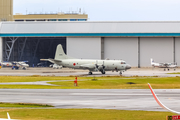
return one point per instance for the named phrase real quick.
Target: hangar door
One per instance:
(122, 48)
(31, 49)
(84, 47)
(160, 49)
(177, 51)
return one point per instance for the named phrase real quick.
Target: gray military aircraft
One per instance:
(92, 65)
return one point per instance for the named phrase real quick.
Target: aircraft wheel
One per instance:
(120, 73)
(174, 69)
(164, 69)
(104, 72)
(168, 69)
(90, 73)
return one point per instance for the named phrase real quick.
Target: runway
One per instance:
(121, 99)
(70, 72)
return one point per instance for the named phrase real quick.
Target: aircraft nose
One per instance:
(128, 67)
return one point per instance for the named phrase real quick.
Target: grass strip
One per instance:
(174, 73)
(82, 114)
(32, 78)
(22, 105)
(100, 82)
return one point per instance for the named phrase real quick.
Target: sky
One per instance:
(106, 10)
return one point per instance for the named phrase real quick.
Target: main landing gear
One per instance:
(90, 73)
(103, 72)
(165, 69)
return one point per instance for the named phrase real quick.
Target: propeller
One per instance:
(100, 67)
(96, 67)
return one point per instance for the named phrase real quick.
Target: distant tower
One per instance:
(6, 10)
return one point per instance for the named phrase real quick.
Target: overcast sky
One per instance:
(106, 10)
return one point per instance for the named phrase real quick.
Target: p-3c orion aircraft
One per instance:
(92, 65)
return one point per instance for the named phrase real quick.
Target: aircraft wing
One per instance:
(159, 102)
(87, 66)
(52, 60)
(163, 64)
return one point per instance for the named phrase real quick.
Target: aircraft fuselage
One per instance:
(83, 63)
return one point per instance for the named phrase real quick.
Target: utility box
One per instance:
(174, 117)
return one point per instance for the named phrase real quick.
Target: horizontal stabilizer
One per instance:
(52, 60)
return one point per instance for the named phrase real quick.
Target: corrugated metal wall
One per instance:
(122, 48)
(177, 50)
(90, 27)
(1, 49)
(85, 48)
(160, 49)
(136, 51)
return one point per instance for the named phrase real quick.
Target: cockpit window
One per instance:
(123, 62)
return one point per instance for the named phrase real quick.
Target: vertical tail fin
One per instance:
(152, 61)
(60, 53)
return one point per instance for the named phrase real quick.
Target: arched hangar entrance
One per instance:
(31, 49)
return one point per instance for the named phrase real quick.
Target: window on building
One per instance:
(62, 19)
(52, 20)
(3, 19)
(19, 20)
(41, 20)
(73, 20)
(30, 20)
(81, 19)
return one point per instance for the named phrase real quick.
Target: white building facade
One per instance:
(134, 42)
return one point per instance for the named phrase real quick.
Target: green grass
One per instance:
(174, 73)
(82, 114)
(120, 83)
(100, 82)
(33, 78)
(22, 105)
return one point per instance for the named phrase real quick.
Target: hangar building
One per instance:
(134, 42)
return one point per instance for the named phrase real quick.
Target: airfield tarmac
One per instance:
(71, 72)
(121, 99)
